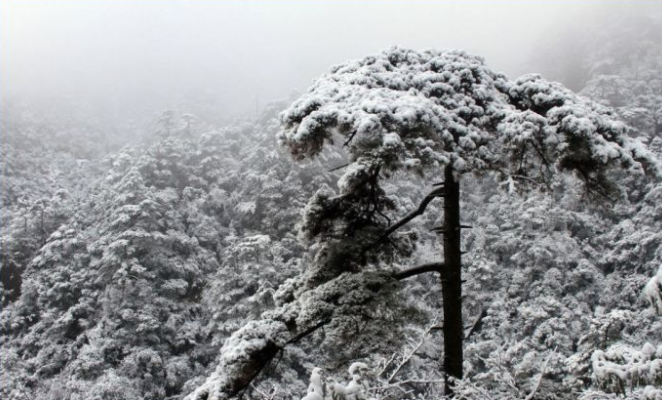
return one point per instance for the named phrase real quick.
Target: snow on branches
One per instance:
(251, 348)
(403, 109)
(621, 367)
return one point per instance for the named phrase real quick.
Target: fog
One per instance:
(122, 59)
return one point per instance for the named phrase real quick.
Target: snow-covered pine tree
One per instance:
(445, 114)
(441, 115)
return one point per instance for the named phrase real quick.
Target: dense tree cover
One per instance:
(157, 268)
(132, 284)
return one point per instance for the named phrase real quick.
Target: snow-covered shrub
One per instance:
(622, 367)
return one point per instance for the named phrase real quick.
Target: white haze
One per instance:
(121, 58)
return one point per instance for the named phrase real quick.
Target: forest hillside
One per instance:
(148, 261)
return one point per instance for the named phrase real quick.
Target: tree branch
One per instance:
(397, 385)
(338, 167)
(418, 211)
(475, 326)
(417, 270)
(349, 139)
(424, 268)
(411, 353)
(308, 331)
(390, 360)
(244, 377)
(267, 358)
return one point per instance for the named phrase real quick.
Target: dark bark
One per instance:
(308, 331)
(477, 325)
(420, 269)
(339, 167)
(418, 211)
(451, 282)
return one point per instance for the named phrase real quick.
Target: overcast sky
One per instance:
(119, 56)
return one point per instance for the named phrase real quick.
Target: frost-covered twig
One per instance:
(542, 373)
(411, 353)
(386, 365)
(264, 395)
(467, 390)
(43, 367)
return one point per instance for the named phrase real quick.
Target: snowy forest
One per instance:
(407, 222)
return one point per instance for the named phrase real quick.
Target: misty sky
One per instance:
(120, 56)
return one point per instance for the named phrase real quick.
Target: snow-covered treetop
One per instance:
(403, 109)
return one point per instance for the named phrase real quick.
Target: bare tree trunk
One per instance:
(451, 282)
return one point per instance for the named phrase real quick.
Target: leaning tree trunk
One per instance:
(451, 282)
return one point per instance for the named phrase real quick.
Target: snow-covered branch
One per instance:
(411, 353)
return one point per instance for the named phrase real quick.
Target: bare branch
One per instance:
(411, 353)
(349, 139)
(474, 327)
(308, 331)
(417, 270)
(338, 167)
(418, 211)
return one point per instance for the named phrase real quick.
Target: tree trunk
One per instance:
(451, 282)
